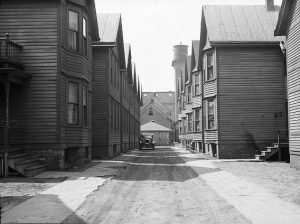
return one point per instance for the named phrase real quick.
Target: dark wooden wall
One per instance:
(33, 24)
(100, 108)
(293, 67)
(251, 99)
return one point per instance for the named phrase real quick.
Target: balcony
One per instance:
(11, 67)
(10, 54)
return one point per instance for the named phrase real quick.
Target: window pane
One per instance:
(73, 20)
(72, 113)
(73, 92)
(84, 96)
(209, 60)
(84, 33)
(73, 40)
(211, 114)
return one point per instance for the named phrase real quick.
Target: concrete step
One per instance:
(260, 157)
(34, 170)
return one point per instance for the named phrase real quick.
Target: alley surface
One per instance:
(158, 187)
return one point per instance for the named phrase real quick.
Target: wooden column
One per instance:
(6, 128)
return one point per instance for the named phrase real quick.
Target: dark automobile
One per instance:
(146, 141)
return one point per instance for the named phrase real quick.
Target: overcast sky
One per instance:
(153, 27)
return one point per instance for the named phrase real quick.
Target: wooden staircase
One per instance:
(25, 164)
(272, 152)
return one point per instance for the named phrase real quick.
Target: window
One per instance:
(73, 30)
(197, 123)
(84, 34)
(197, 84)
(190, 123)
(209, 114)
(111, 114)
(150, 111)
(184, 125)
(189, 94)
(115, 116)
(111, 67)
(73, 103)
(84, 105)
(210, 68)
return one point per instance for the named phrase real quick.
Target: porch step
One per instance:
(24, 163)
(34, 170)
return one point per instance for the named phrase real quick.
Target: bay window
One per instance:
(73, 102)
(84, 35)
(190, 122)
(73, 30)
(84, 105)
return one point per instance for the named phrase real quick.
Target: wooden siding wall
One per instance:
(158, 116)
(100, 103)
(75, 67)
(293, 67)
(210, 92)
(33, 24)
(251, 96)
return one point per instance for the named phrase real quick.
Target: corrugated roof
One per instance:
(240, 23)
(108, 27)
(152, 126)
(195, 47)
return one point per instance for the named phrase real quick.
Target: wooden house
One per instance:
(288, 25)
(111, 83)
(196, 78)
(159, 107)
(161, 135)
(243, 79)
(45, 77)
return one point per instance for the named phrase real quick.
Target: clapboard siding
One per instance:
(33, 108)
(293, 66)
(210, 88)
(197, 101)
(100, 107)
(250, 96)
(210, 136)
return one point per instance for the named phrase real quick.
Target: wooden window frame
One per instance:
(208, 117)
(84, 36)
(197, 121)
(73, 31)
(150, 111)
(197, 84)
(189, 122)
(85, 105)
(72, 103)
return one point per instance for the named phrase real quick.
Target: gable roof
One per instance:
(152, 126)
(195, 54)
(127, 50)
(240, 24)
(284, 17)
(94, 22)
(108, 27)
(187, 70)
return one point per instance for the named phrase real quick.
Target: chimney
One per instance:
(270, 5)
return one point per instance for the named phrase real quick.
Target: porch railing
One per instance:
(10, 51)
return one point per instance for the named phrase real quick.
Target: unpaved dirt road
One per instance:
(157, 187)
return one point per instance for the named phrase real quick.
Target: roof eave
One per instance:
(243, 43)
(285, 12)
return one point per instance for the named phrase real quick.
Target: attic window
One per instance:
(210, 67)
(150, 111)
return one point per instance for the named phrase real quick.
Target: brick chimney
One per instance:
(270, 5)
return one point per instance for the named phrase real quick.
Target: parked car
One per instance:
(146, 141)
